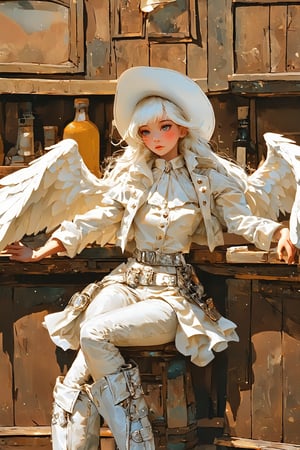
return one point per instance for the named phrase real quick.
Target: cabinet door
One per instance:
(266, 39)
(41, 37)
(29, 360)
(172, 36)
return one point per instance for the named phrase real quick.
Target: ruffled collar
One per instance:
(166, 166)
(172, 185)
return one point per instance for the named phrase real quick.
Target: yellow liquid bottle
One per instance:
(86, 134)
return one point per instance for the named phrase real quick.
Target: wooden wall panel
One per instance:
(252, 42)
(171, 56)
(11, 113)
(171, 21)
(278, 37)
(291, 361)
(266, 322)
(293, 38)
(219, 42)
(127, 19)
(130, 53)
(197, 50)
(37, 362)
(197, 64)
(239, 376)
(98, 39)
(225, 109)
(6, 358)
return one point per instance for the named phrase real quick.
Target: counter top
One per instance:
(102, 260)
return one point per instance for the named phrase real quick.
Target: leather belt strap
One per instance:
(159, 259)
(135, 277)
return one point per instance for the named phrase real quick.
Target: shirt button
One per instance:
(204, 202)
(199, 181)
(203, 189)
(165, 215)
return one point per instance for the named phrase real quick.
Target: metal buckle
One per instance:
(133, 277)
(79, 301)
(164, 279)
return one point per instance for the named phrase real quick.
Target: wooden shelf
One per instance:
(253, 444)
(265, 84)
(57, 87)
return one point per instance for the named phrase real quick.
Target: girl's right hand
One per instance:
(20, 252)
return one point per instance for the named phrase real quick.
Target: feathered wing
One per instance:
(53, 188)
(274, 187)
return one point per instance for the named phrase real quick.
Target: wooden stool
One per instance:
(167, 384)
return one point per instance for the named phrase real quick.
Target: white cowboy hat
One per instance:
(140, 82)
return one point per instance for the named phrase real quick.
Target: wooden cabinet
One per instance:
(248, 391)
(30, 362)
(262, 394)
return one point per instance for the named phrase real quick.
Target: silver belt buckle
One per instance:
(165, 279)
(146, 276)
(132, 277)
(79, 301)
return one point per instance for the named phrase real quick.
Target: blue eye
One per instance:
(144, 132)
(166, 127)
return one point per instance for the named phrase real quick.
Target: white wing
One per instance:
(51, 189)
(274, 187)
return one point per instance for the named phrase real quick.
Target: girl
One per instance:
(165, 192)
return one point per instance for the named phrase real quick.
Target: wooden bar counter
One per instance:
(250, 391)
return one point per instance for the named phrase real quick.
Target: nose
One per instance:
(156, 136)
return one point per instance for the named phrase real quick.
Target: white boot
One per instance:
(75, 420)
(120, 401)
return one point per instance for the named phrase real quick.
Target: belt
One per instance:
(81, 300)
(159, 259)
(135, 277)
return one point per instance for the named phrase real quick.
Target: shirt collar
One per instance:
(175, 163)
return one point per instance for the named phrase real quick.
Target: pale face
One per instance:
(162, 137)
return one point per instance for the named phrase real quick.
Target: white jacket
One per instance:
(221, 200)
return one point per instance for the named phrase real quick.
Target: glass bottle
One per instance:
(240, 144)
(86, 134)
(243, 148)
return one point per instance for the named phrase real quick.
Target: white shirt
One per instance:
(170, 216)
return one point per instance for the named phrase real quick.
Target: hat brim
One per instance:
(140, 82)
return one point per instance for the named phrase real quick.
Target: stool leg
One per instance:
(75, 420)
(120, 400)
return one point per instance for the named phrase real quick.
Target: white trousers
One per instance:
(120, 316)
